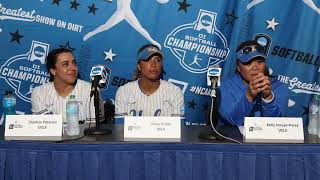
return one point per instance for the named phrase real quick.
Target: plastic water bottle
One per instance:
(72, 110)
(314, 116)
(9, 103)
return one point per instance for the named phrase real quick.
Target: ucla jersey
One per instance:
(167, 100)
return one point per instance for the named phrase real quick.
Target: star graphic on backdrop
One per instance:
(67, 46)
(231, 18)
(272, 24)
(56, 2)
(16, 36)
(109, 55)
(183, 5)
(192, 104)
(92, 9)
(74, 5)
(206, 106)
(305, 110)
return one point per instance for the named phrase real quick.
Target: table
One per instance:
(108, 157)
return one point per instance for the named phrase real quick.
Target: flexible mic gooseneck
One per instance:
(213, 75)
(213, 80)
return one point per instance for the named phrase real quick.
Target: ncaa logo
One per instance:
(25, 71)
(214, 72)
(96, 70)
(103, 73)
(198, 45)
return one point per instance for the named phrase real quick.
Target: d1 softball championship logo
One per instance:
(198, 45)
(25, 71)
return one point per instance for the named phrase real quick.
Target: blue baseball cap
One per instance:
(149, 51)
(248, 50)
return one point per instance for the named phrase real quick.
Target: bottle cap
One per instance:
(72, 96)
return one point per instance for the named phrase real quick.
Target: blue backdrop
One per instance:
(193, 34)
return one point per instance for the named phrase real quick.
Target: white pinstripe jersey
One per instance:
(167, 100)
(46, 97)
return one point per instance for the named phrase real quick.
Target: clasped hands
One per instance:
(259, 83)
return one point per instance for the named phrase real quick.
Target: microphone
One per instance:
(213, 76)
(99, 77)
(213, 80)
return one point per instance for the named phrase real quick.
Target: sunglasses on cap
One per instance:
(248, 49)
(249, 52)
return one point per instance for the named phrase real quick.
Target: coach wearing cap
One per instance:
(251, 91)
(148, 94)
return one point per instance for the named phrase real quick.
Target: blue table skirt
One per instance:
(158, 161)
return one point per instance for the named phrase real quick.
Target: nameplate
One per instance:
(33, 127)
(273, 130)
(149, 128)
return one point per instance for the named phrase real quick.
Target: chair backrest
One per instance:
(109, 110)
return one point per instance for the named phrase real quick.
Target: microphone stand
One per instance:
(212, 134)
(97, 130)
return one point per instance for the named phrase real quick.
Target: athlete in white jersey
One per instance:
(46, 97)
(53, 96)
(148, 95)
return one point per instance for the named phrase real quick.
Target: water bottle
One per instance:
(72, 110)
(314, 116)
(9, 103)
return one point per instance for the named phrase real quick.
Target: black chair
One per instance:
(109, 110)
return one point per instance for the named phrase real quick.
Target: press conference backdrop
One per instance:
(193, 34)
